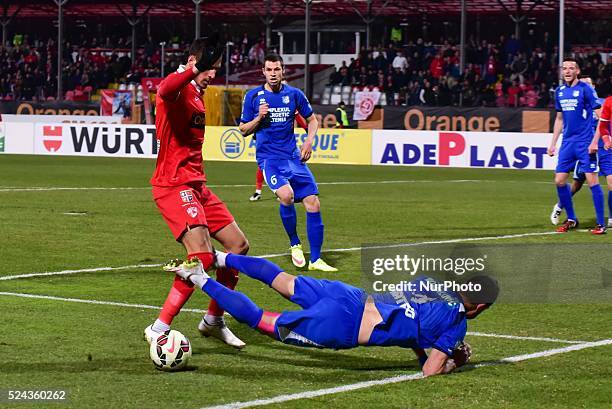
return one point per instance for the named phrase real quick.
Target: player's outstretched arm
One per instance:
(438, 363)
(313, 126)
(170, 88)
(247, 128)
(557, 129)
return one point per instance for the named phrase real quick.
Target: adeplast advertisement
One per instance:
(462, 149)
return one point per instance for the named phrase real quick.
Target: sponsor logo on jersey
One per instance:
(192, 211)
(52, 138)
(232, 143)
(198, 120)
(186, 196)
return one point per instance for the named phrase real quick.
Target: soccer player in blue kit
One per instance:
(269, 112)
(579, 176)
(575, 102)
(339, 316)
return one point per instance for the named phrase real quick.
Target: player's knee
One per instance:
(312, 204)
(239, 247)
(286, 198)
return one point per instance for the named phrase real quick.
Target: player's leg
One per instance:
(259, 269)
(578, 181)
(224, 229)
(258, 186)
(609, 180)
(566, 162)
(241, 307)
(589, 164)
(185, 217)
(306, 191)
(276, 174)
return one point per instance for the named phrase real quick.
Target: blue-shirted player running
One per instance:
(575, 102)
(339, 316)
(269, 112)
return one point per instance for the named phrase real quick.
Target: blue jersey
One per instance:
(576, 104)
(274, 136)
(422, 318)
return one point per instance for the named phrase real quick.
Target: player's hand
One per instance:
(263, 110)
(306, 151)
(593, 148)
(607, 140)
(462, 354)
(551, 150)
(210, 55)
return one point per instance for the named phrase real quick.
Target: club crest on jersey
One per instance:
(186, 196)
(285, 99)
(192, 211)
(198, 120)
(576, 93)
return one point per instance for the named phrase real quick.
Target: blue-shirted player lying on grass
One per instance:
(339, 316)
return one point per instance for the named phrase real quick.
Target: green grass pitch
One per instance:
(96, 351)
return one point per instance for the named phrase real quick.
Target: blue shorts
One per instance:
(605, 162)
(331, 316)
(578, 175)
(571, 152)
(280, 172)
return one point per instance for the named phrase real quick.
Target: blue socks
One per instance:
(257, 268)
(237, 304)
(289, 218)
(598, 201)
(314, 230)
(565, 199)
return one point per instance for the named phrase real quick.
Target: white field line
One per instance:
(153, 307)
(276, 255)
(402, 378)
(82, 301)
(368, 182)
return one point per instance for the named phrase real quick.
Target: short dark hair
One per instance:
(489, 290)
(273, 57)
(572, 59)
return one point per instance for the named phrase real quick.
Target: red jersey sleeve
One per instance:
(606, 114)
(173, 84)
(301, 121)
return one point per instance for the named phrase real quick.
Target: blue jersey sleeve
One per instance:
(591, 98)
(557, 104)
(248, 113)
(451, 338)
(303, 106)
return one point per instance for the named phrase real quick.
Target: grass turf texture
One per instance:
(97, 352)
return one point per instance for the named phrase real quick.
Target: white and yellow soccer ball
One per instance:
(170, 351)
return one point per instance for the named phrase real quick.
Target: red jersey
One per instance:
(179, 124)
(605, 117)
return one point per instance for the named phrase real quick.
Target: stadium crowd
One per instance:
(504, 72)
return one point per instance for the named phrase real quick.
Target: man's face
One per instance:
(273, 71)
(205, 77)
(570, 71)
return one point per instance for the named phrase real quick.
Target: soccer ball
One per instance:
(170, 351)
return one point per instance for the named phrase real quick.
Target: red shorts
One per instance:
(190, 206)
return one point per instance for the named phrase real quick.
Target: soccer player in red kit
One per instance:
(193, 213)
(259, 176)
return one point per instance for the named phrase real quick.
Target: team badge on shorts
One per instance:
(192, 211)
(186, 196)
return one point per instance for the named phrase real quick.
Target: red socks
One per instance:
(181, 291)
(259, 178)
